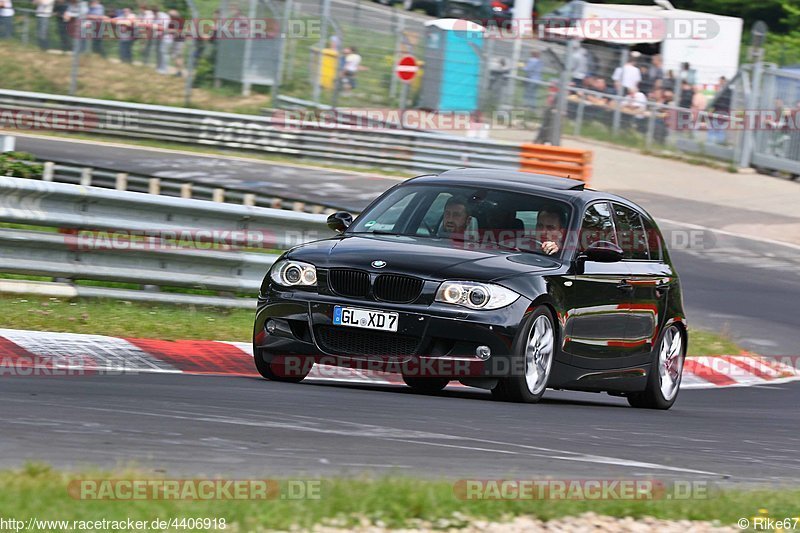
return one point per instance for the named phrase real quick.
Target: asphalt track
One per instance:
(744, 287)
(247, 427)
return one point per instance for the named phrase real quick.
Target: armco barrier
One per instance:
(557, 161)
(154, 260)
(416, 152)
(413, 151)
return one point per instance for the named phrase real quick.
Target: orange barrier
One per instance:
(556, 161)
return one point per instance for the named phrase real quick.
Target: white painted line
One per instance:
(731, 234)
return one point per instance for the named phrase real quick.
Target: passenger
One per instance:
(550, 230)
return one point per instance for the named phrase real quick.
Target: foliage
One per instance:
(20, 165)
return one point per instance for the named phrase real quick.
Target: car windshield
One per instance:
(477, 217)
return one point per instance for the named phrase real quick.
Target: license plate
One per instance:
(364, 318)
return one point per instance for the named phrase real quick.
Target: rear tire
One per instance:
(533, 352)
(427, 385)
(666, 370)
(277, 368)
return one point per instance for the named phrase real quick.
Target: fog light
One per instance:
(271, 326)
(483, 352)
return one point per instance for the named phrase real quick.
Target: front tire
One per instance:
(666, 371)
(427, 385)
(281, 368)
(534, 351)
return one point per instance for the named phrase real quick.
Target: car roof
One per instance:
(567, 189)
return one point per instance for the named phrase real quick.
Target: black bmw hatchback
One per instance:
(501, 280)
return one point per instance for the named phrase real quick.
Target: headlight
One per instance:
(475, 295)
(293, 273)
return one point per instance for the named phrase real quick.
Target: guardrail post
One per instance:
(298, 206)
(49, 171)
(218, 195)
(154, 186)
(249, 199)
(121, 182)
(579, 115)
(276, 203)
(86, 177)
(186, 190)
(7, 144)
(651, 128)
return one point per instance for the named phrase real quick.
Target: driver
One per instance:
(550, 230)
(456, 216)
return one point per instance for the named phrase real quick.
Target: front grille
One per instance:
(398, 289)
(352, 341)
(353, 283)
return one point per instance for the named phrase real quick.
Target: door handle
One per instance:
(625, 286)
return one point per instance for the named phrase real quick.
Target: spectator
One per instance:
(163, 40)
(125, 27)
(722, 111)
(657, 92)
(146, 17)
(580, 65)
(352, 64)
(687, 95)
(59, 12)
(44, 10)
(97, 14)
(335, 42)
(533, 73)
(635, 102)
(72, 16)
(177, 24)
(688, 74)
(669, 81)
(6, 19)
(629, 76)
(699, 101)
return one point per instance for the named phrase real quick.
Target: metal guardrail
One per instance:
(341, 144)
(154, 227)
(124, 181)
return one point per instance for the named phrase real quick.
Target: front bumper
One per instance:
(435, 340)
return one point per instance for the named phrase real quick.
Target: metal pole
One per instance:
(247, 57)
(187, 89)
(755, 96)
(287, 13)
(403, 96)
(523, 9)
(620, 91)
(563, 93)
(77, 44)
(323, 38)
(399, 27)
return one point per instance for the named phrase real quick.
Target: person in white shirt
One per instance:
(629, 76)
(165, 39)
(44, 10)
(6, 19)
(352, 64)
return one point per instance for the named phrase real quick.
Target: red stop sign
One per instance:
(406, 68)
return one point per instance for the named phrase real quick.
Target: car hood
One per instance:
(435, 259)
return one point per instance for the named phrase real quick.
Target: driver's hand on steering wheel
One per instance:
(549, 247)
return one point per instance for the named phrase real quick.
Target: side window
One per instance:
(631, 235)
(597, 225)
(654, 241)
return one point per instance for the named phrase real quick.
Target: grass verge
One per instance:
(173, 322)
(40, 492)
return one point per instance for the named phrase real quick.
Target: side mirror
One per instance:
(603, 252)
(340, 221)
(599, 252)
